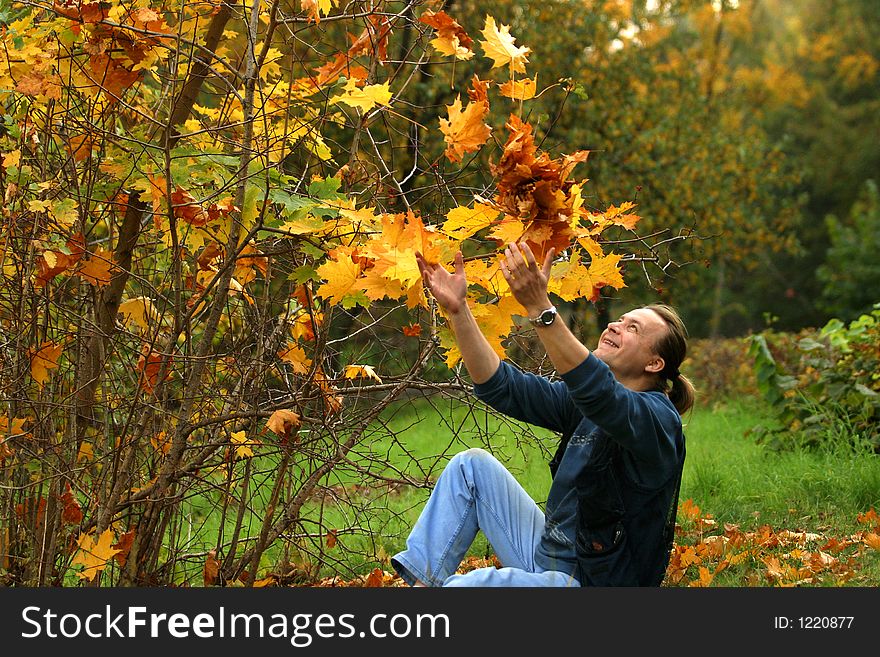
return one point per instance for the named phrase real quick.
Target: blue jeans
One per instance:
(476, 492)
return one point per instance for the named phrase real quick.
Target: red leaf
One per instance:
(71, 512)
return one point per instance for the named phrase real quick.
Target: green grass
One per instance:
(727, 474)
(740, 481)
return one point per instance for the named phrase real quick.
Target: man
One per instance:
(611, 507)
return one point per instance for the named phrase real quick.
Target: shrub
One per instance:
(830, 392)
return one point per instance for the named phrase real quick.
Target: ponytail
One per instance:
(672, 348)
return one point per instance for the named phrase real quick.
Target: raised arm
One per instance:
(450, 291)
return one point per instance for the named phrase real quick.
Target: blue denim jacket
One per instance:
(620, 456)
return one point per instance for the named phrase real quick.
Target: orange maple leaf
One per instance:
(282, 422)
(464, 131)
(520, 89)
(44, 359)
(412, 330)
(98, 269)
(148, 367)
(451, 38)
(71, 511)
(295, 356)
(211, 570)
(124, 544)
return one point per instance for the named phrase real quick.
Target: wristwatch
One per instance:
(546, 318)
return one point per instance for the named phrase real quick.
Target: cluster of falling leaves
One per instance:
(765, 556)
(536, 201)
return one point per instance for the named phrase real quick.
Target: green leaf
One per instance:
(302, 274)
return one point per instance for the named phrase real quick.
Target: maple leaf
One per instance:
(149, 365)
(12, 159)
(464, 131)
(243, 445)
(211, 570)
(71, 511)
(375, 579)
(282, 422)
(378, 286)
(44, 359)
(317, 8)
(14, 428)
(94, 555)
(139, 310)
(187, 208)
(295, 356)
(499, 46)
(124, 544)
(412, 330)
(363, 371)
(366, 98)
(50, 264)
(479, 90)
(341, 276)
(519, 89)
(872, 540)
(451, 38)
(161, 442)
(331, 539)
(98, 269)
(462, 222)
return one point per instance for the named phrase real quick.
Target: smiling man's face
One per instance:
(627, 345)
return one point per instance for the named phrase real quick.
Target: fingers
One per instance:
(548, 262)
(459, 263)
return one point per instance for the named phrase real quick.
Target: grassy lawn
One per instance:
(749, 516)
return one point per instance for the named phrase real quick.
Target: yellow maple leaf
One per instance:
(98, 269)
(11, 159)
(605, 270)
(243, 444)
(366, 98)
(341, 276)
(317, 8)
(464, 131)
(44, 359)
(378, 286)
(510, 229)
(499, 46)
(362, 371)
(872, 540)
(519, 89)
(139, 310)
(462, 222)
(295, 356)
(94, 555)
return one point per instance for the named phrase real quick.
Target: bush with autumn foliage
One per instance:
(210, 221)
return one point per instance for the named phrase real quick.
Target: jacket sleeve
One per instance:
(530, 398)
(644, 423)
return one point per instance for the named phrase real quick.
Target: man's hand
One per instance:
(527, 281)
(450, 290)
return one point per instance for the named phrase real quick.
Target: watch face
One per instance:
(547, 317)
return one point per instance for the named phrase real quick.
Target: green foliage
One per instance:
(851, 273)
(833, 393)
